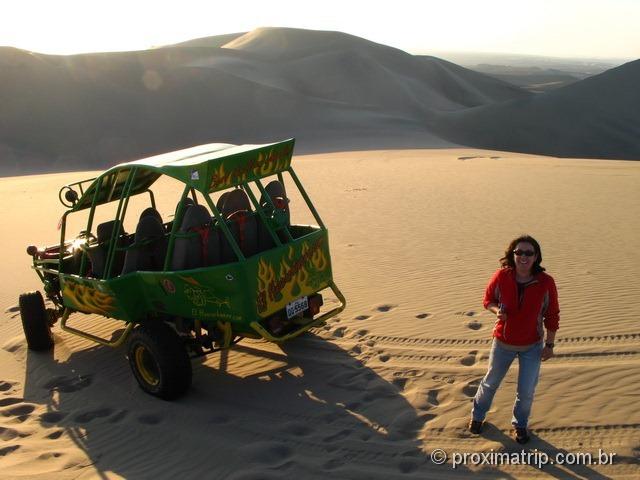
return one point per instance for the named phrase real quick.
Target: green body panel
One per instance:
(237, 292)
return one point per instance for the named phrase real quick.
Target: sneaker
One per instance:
(475, 426)
(520, 435)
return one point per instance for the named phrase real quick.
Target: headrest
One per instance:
(187, 203)
(235, 201)
(149, 226)
(195, 216)
(275, 189)
(151, 212)
(220, 202)
(105, 230)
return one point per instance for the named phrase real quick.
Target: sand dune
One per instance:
(415, 235)
(327, 89)
(330, 90)
(596, 117)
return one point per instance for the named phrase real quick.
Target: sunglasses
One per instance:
(526, 253)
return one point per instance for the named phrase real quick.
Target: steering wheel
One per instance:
(69, 198)
(91, 238)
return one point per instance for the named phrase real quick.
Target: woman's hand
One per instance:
(547, 353)
(498, 310)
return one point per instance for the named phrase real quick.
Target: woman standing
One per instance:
(525, 302)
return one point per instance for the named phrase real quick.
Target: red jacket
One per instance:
(526, 315)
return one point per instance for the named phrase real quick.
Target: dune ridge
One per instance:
(596, 117)
(327, 89)
(330, 90)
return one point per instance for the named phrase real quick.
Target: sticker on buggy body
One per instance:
(201, 296)
(85, 297)
(300, 271)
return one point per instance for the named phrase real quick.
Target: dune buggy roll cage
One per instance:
(204, 169)
(123, 191)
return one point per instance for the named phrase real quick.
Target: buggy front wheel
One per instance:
(35, 321)
(159, 361)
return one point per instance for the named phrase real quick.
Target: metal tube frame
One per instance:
(120, 213)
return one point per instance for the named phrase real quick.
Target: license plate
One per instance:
(297, 306)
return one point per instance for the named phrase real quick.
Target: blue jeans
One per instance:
(500, 360)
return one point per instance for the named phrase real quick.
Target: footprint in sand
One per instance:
(339, 332)
(68, 384)
(400, 382)
(471, 388)
(361, 333)
(409, 373)
(385, 308)
(49, 455)
(5, 402)
(362, 317)
(6, 386)
(7, 434)
(20, 412)
(432, 397)
(474, 325)
(444, 379)
(422, 315)
(52, 417)
(470, 359)
(90, 415)
(384, 357)
(268, 453)
(56, 434)
(7, 450)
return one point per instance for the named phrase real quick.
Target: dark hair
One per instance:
(508, 261)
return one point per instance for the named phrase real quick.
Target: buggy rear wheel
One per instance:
(159, 361)
(35, 321)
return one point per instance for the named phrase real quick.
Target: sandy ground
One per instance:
(415, 236)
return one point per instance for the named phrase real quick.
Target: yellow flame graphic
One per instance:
(292, 280)
(319, 260)
(87, 299)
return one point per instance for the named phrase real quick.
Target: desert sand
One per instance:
(415, 235)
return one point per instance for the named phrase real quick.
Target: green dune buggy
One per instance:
(229, 263)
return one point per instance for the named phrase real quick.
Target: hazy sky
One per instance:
(578, 28)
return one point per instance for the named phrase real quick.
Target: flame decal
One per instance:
(298, 274)
(87, 299)
(266, 163)
(219, 178)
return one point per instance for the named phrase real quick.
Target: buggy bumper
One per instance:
(316, 322)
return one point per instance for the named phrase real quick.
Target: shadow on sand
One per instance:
(309, 410)
(537, 445)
